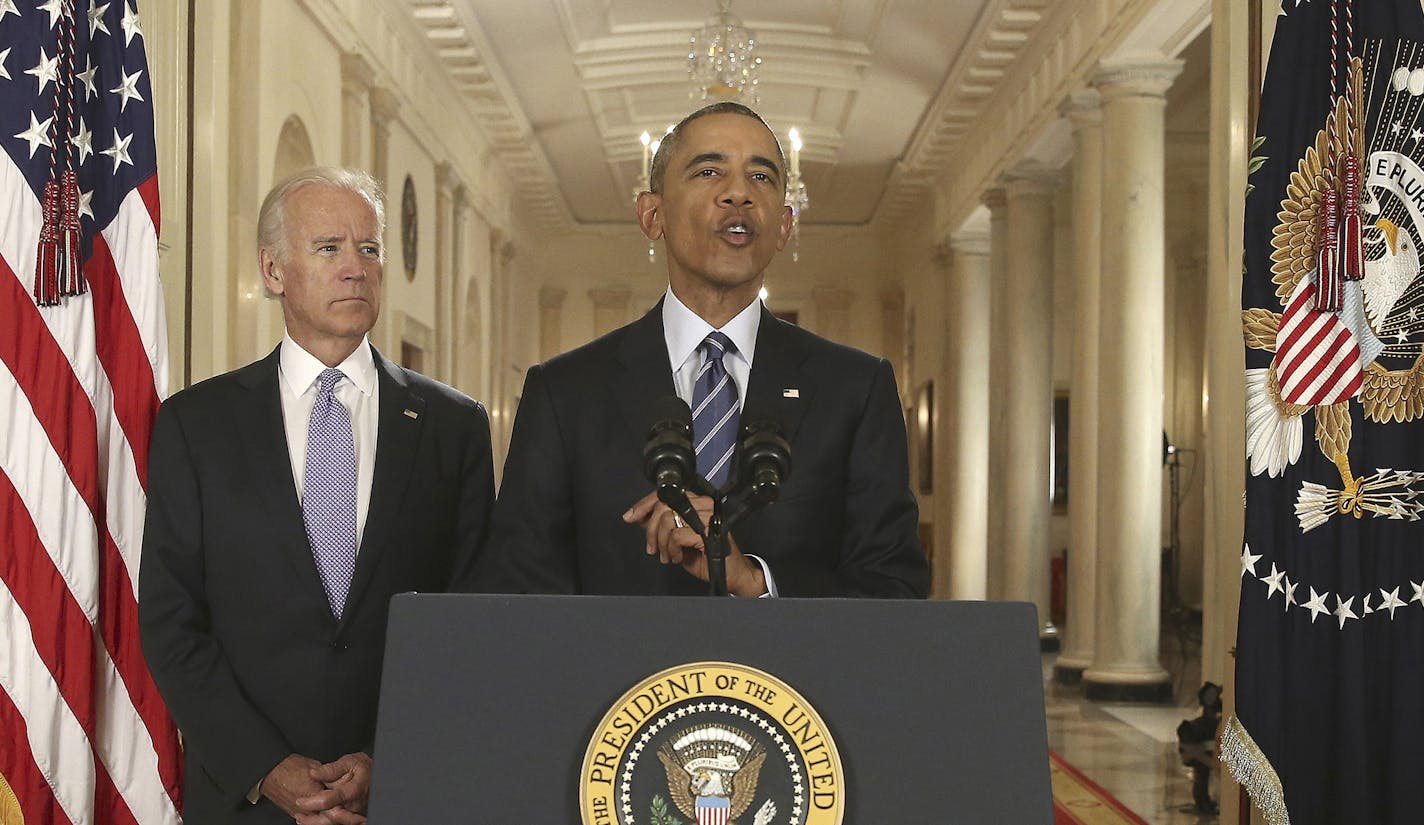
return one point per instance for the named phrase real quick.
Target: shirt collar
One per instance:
(300, 368)
(685, 329)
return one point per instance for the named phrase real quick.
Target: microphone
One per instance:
(669, 461)
(765, 460)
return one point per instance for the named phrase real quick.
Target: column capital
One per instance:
(447, 180)
(996, 198)
(892, 298)
(357, 73)
(552, 297)
(969, 242)
(829, 297)
(610, 297)
(384, 105)
(1147, 76)
(1083, 108)
(1031, 178)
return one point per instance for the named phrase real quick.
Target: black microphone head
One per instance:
(670, 408)
(668, 457)
(765, 459)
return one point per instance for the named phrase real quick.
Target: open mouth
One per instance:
(737, 231)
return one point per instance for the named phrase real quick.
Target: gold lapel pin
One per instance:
(412, 414)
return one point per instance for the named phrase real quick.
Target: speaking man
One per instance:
(575, 512)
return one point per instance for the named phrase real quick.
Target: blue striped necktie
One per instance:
(329, 491)
(714, 411)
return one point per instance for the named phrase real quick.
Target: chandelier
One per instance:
(722, 60)
(796, 196)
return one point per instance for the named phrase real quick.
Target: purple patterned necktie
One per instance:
(329, 491)
(714, 411)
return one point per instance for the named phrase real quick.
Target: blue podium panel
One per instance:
(489, 705)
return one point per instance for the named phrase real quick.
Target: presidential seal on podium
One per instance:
(712, 743)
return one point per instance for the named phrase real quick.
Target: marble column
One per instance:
(962, 497)
(893, 340)
(997, 201)
(1126, 665)
(357, 76)
(610, 308)
(1082, 108)
(384, 107)
(446, 182)
(833, 312)
(551, 320)
(1028, 389)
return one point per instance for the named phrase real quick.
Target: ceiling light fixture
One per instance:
(722, 61)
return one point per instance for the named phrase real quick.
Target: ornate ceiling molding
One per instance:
(459, 46)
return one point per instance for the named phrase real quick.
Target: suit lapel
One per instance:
(778, 389)
(642, 374)
(265, 436)
(401, 419)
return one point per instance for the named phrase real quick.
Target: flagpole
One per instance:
(1253, 111)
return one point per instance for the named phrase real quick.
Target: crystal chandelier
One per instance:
(722, 61)
(796, 196)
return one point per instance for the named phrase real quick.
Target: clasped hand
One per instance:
(313, 793)
(673, 542)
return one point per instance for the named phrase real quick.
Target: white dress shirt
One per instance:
(359, 394)
(684, 331)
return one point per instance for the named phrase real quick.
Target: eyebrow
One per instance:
(337, 238)
(718, 157)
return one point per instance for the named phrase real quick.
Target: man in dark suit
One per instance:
(288, 500)
(575, 514)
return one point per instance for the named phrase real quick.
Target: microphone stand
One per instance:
(727, 509)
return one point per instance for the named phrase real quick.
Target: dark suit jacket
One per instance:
(235, 623)
(846, 520)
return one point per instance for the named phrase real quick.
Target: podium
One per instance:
(500, 709)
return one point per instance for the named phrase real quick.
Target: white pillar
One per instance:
(1125, 656)
(1082, 108)
(551, 321)
(962, 503)
(610, 308)
(447, 180)
(997, 201)
(833, 312)
(356, 79)
(1028, 390)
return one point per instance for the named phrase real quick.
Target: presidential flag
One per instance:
(1330, 650)
(84, 736)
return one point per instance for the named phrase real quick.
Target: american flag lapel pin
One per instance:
(791, 392)
(412, 414)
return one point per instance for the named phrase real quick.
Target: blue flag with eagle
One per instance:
(1330, 648)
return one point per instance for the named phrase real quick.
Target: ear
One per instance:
(650, 214)
(784, 231)
(271, 271)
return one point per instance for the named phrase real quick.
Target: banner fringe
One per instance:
(1250, 767)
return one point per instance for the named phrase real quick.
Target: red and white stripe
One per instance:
(86, 736)
(1317, 357)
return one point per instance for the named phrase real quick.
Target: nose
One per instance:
(352, 264)
(736, 192)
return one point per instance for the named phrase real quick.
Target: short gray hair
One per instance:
(272, 219)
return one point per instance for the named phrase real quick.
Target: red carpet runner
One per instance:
(1077, 800)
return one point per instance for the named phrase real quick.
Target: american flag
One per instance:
(84, 736)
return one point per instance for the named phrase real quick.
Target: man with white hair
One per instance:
(288, 500)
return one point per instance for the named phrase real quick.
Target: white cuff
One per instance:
(766, 573)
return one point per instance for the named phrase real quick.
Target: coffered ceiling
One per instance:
(883, 91)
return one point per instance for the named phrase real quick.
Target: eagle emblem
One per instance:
(1376, 329)
(712, 773)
